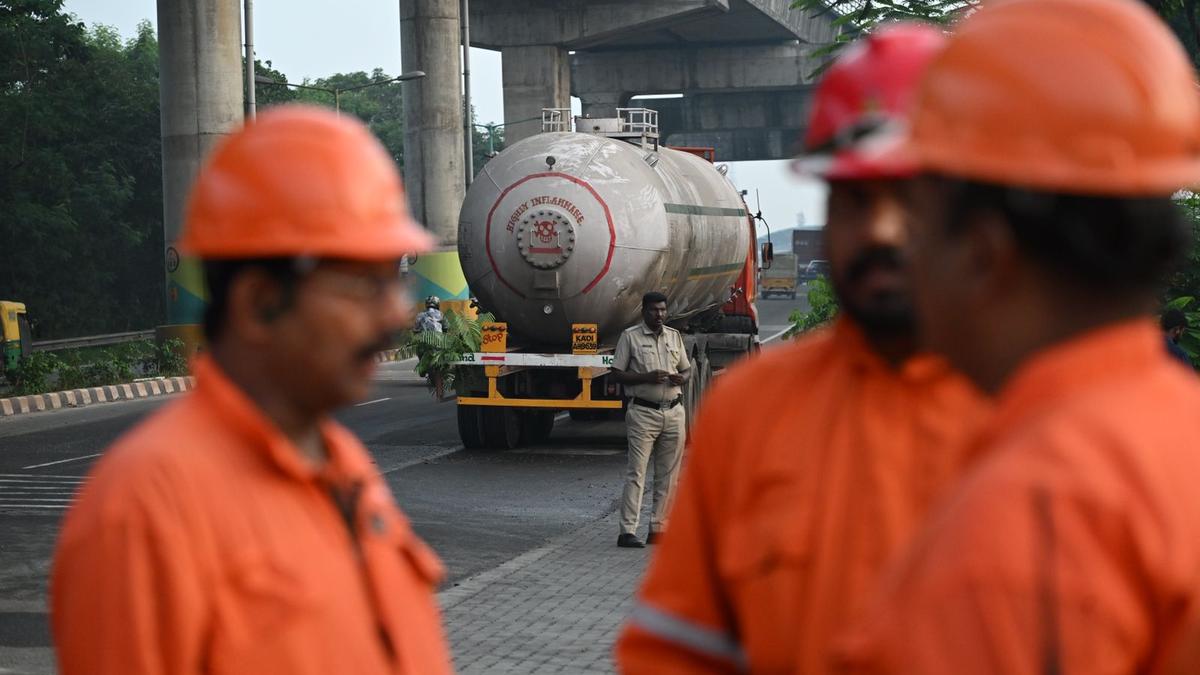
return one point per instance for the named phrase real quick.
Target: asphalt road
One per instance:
(477, 509)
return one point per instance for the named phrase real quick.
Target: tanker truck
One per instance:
(560, 236)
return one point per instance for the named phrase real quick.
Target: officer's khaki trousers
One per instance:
(657, 434)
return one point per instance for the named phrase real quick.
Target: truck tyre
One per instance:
(735, 324)
(536, 426)
(501, 428)
(470, 426)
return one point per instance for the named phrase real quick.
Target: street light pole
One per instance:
(250, 78)
(468, 151)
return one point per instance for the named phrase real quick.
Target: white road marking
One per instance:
(34, 491)
(777, 335)
(39, 475)
(62, 461)
(378, 400)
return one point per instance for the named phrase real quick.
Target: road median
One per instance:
(139, 389)
(78, 398)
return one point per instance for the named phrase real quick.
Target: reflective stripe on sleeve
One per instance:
(697, 638)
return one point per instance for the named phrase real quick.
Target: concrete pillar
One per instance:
(200, 96)
(433, 115)
(534, 78)
(602, 104)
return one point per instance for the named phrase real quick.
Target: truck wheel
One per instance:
(736, 324)
(501, 428)
(470, 426)
(536, 426)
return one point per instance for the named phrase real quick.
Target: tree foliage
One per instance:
(81, 179)
(823, 307)
(855, 17)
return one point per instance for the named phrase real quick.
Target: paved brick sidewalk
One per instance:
(556, 609)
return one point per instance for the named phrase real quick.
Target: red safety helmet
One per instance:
(864, 96)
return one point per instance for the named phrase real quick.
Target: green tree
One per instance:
(486, 142)
(380, 107)
(269, 94)
(81, 185)
(857, 16)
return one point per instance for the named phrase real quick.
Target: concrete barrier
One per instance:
(78, 398)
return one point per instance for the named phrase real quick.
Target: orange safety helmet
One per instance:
(864, 94)
(1076, 96)
(300, 181)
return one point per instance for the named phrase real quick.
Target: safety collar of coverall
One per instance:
(916, 369)
(242, 415)
(1079, 364)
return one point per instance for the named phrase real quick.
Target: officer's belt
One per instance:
(666, 405)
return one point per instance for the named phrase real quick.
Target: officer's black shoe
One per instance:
(629, 541)
(653, 537)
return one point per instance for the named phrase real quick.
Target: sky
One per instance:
(307, 38)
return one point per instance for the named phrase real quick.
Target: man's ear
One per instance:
(992, 255)
(255, 302)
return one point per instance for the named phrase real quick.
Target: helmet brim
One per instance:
(880, 156)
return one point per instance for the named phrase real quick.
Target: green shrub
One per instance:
(437, 352)
(91, 367)
(170, 359)
(32, 374)
(823, 307)
(1190, 342)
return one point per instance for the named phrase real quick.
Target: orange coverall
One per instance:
(204, 543)
(1073, 544)
(810, 466)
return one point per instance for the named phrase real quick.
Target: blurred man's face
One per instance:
(344, 312)
(866, 240)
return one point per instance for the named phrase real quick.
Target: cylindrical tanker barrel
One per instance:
(566, 228)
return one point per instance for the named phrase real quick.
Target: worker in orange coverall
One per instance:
(240, 530)
(1052, 135)
(812, 463)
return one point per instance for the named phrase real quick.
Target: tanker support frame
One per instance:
(508, 398)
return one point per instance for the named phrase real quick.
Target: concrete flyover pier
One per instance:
(433, 139)
(200, 94)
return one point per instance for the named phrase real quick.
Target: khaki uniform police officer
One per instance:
(652, 364)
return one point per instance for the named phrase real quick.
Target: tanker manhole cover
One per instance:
(546, 238)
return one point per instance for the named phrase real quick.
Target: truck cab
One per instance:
(780, 277)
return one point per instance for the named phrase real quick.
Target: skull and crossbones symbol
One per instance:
(545, 231)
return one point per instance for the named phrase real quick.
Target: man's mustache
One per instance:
(369, 351)
(883, 257)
